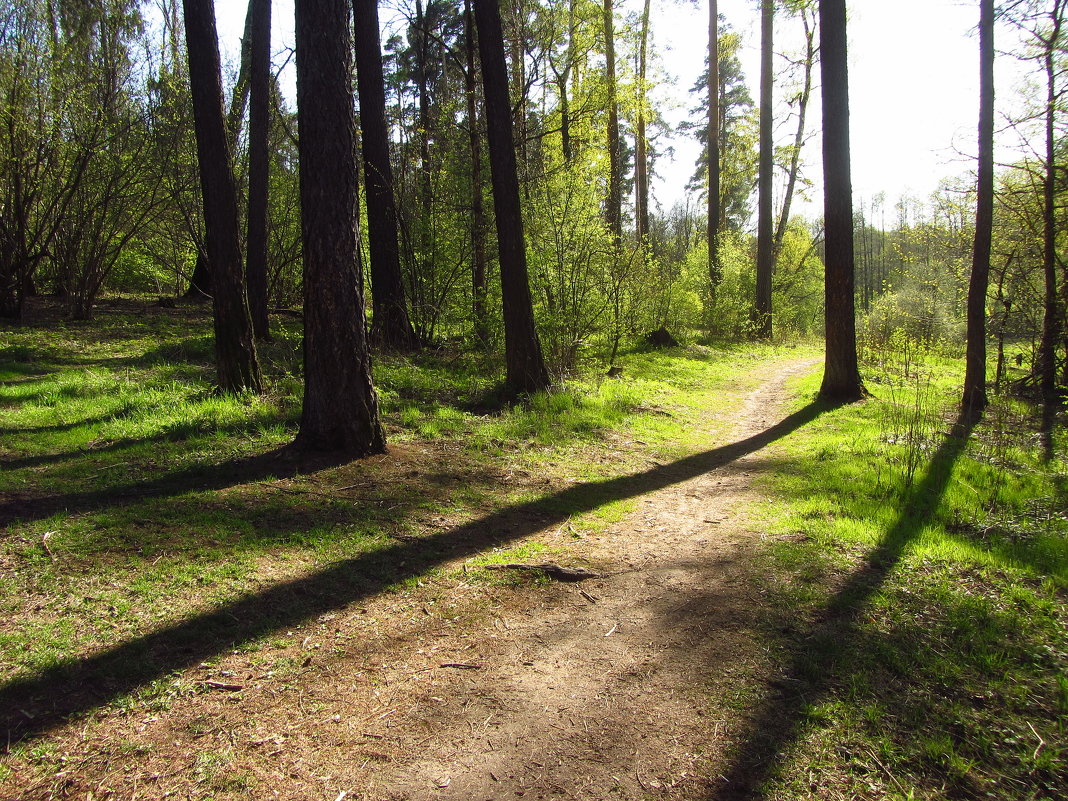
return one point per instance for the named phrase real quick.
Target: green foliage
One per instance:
(908, 320)
(925, 633)
(570, 261)
(135, 494)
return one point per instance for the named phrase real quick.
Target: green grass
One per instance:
(926, 600)
(135, 495)
(915, 584)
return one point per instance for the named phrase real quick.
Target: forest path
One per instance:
(602, 689)
(630, 686)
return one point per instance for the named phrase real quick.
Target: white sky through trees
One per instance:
(913, 86)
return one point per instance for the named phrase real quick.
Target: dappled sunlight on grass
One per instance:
(929, 568)
(135, 495)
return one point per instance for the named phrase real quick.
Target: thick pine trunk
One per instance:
(841, 375)
(258, 166)
(974, 400)
(235, 350)
(765, 255)
(340, 411)
(391, 328)
(200, 282)
(525, 366)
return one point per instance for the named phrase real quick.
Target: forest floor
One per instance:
(693, 665)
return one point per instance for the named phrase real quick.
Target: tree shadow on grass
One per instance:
(182, 432)
(54, 428)
(34, 704)
(781, 721)
(279, 463)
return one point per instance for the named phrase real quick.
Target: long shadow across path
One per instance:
(34, 704)
(780, 722)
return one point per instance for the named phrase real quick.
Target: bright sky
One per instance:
(913, 85)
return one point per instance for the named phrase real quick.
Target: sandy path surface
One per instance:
(600, 689)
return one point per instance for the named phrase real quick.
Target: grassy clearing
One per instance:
(915, 624)
(921, 588)
(135, 497)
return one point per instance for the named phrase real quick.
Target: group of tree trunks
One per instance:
(340, 406)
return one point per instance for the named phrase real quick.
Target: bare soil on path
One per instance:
(626, 686)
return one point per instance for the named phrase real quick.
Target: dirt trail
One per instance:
(600, 689)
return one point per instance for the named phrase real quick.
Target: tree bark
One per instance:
(841, 375)
(525, 366)
(1051, 318)
(426, 190)
(391, 328)
(974, 400)
(715, 273)
(765, 255)
(200, 281)
(614, 204)
(340, 411)
(239, 99)
(258, 166)
(478, 212)
(235, 349)
(641, 145)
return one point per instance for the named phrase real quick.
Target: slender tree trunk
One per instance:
(239, 99)
(200, 281)
(391, 328)
(841, 375)
(640, 142)
(258, 166)
(1051, 319)
(974, 400)
(765, 255)
(799, 135)
(1005, 304)
(715, 273)
(478, 212)
(235, 349)
(614, 206)
(565, 104)
(525, 366)
(340, 411)
(426, 189)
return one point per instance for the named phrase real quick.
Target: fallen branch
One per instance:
(219, 685)
(44, 544)
(552, 570)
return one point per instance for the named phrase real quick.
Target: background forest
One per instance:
(100, 190)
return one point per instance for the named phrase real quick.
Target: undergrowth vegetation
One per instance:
(927, 641)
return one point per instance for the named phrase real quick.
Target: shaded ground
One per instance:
(451, 688)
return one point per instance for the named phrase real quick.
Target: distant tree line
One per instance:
(494, 191)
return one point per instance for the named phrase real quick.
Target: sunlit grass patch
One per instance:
(143, 500)
(932, 570)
